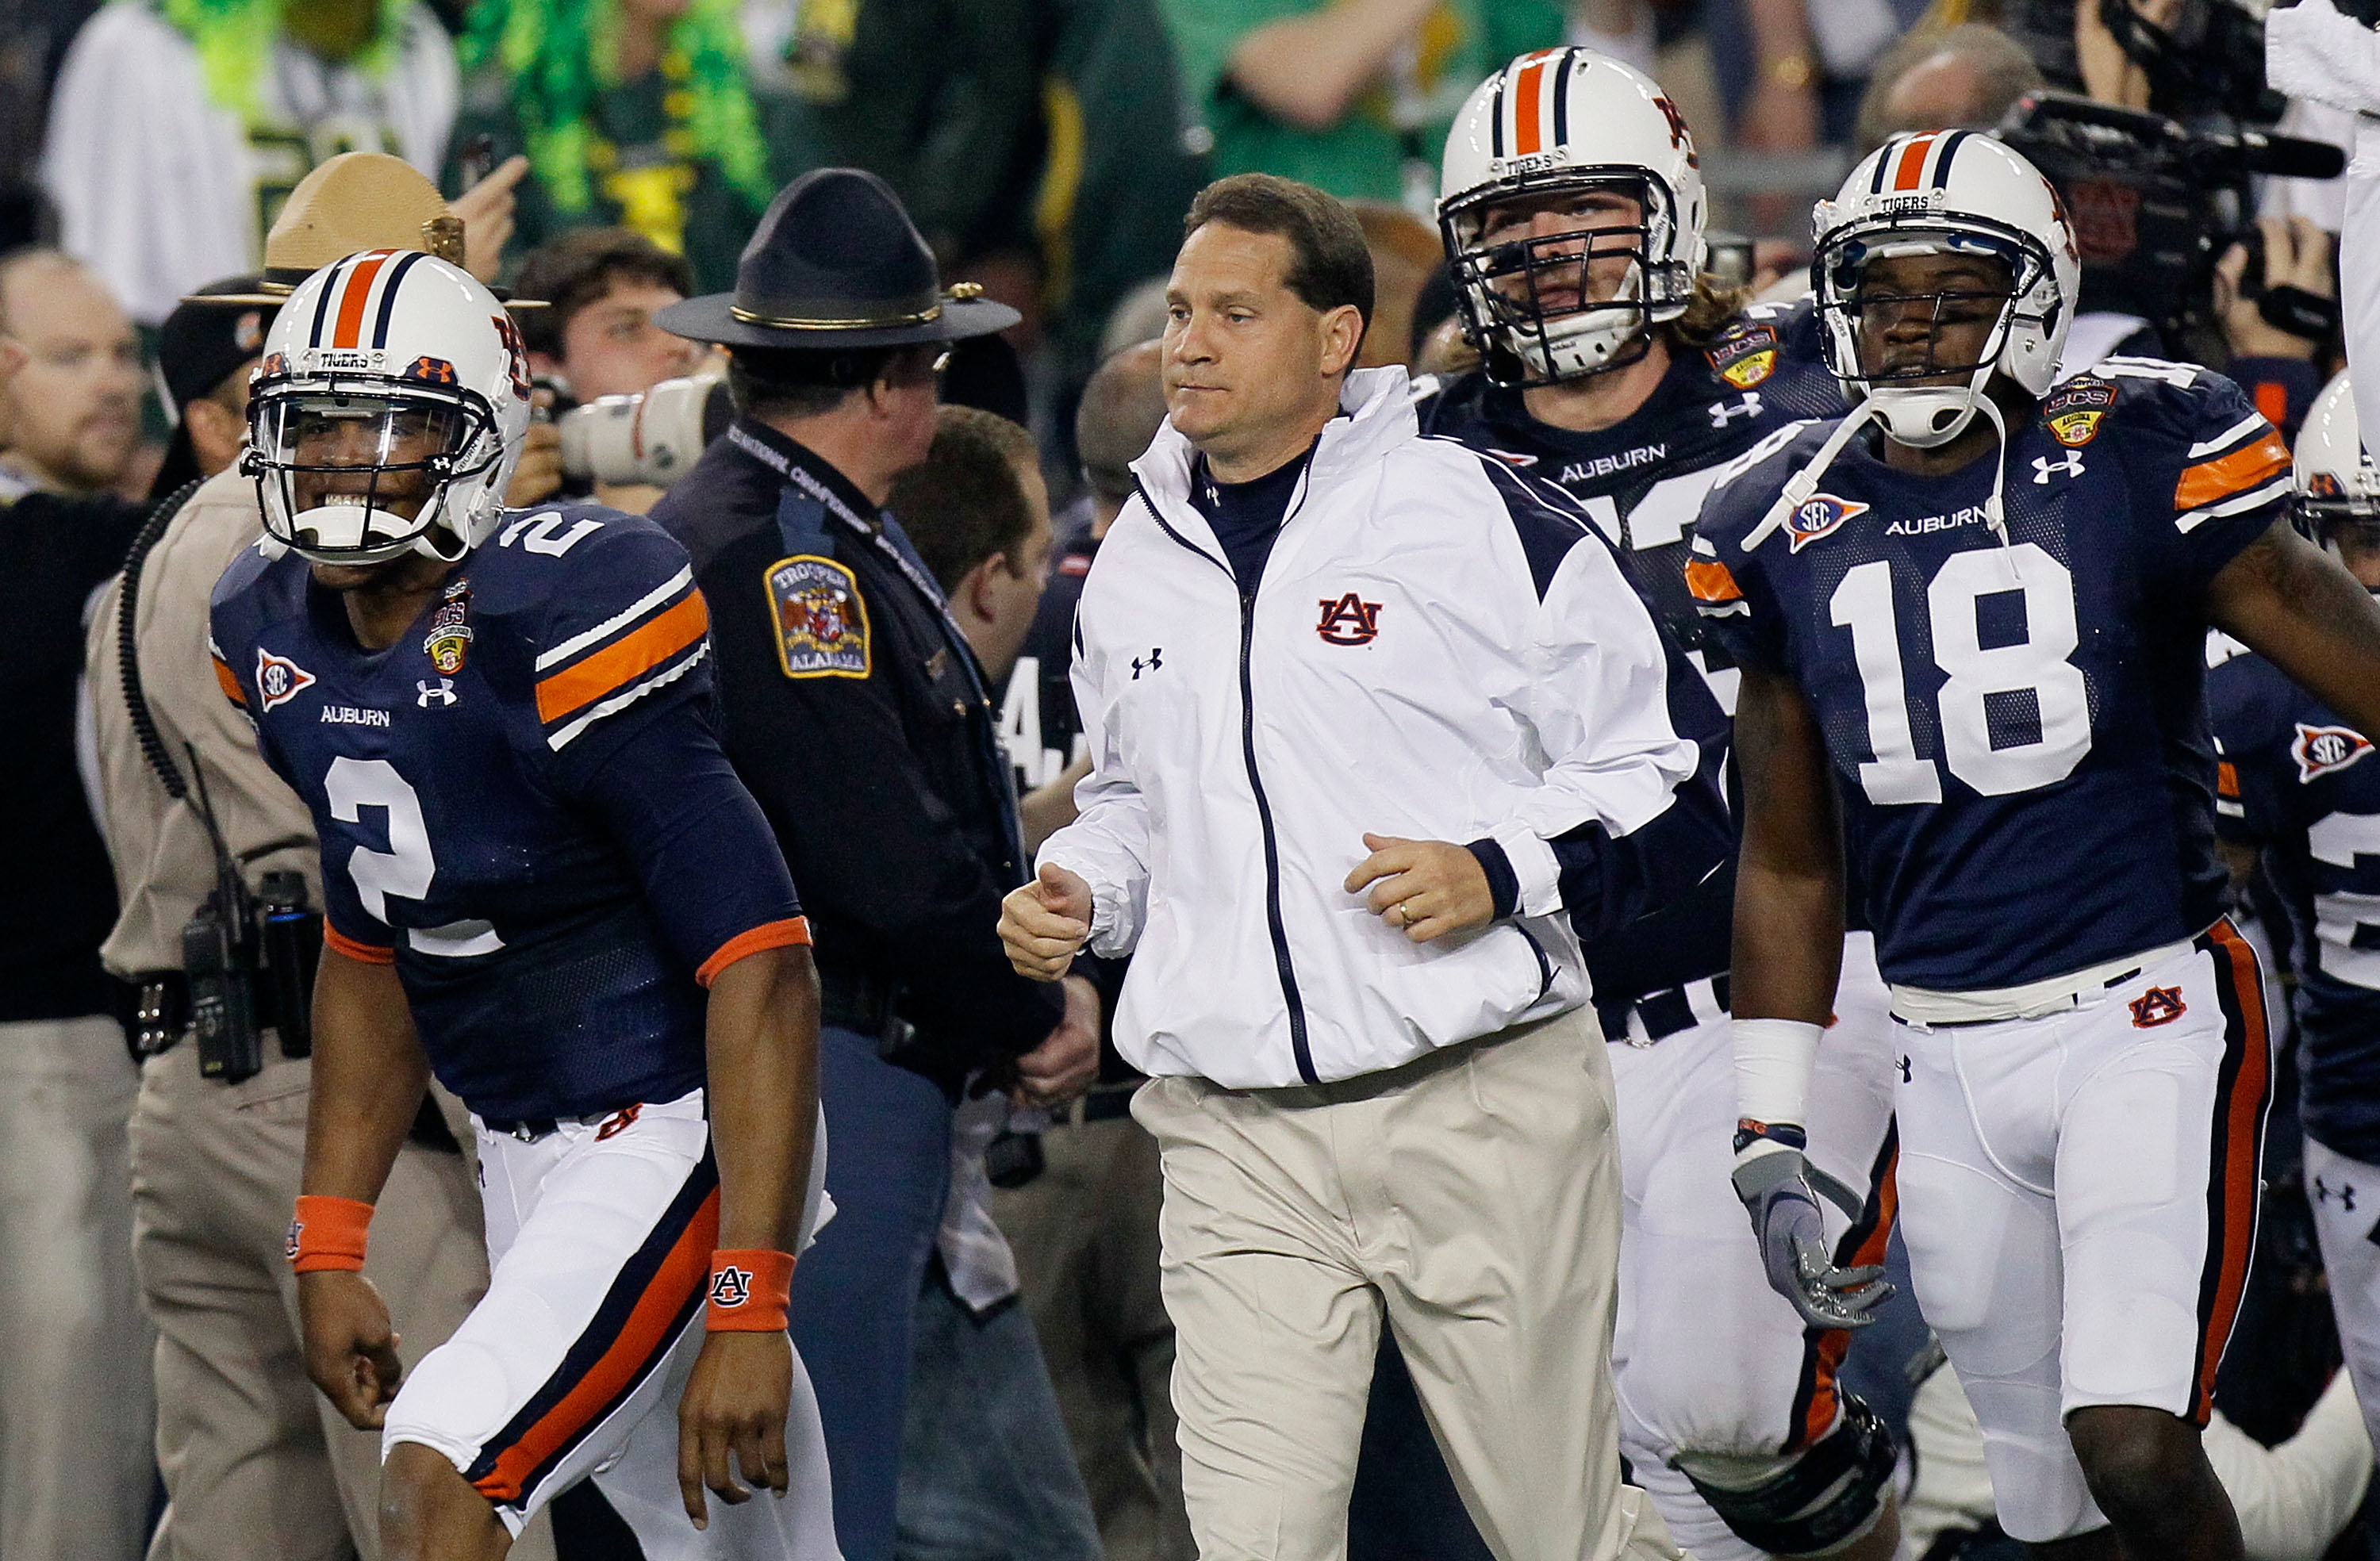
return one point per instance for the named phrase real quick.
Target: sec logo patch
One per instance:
(1821, 514)
(279, 679)
(821, 621)
(2322, 750)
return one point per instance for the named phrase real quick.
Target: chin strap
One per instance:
(1804, 483)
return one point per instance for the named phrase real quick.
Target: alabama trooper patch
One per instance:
(2074, 410)
(821, 621)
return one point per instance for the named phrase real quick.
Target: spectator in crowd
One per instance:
(634, 113)
(1965, 77)
(178, 128)
(1327, 1073)
(205, 352)
(858, 716)
(75, 1408)
(601, 287)
(986, 1469)
(255, 1461)
(1085, 1228)
(1355, 97)
(71, 415)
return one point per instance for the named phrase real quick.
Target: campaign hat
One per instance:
(836, 264)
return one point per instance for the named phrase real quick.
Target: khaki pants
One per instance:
(1084, 1234)
(74, 1411)
(256, 1462)
(1472, 1195)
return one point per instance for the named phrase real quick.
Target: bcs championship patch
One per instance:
(1818, 515)
(2320, 750)
(2073, 413)
(821, 621)
(450, 630)
(1747, 358)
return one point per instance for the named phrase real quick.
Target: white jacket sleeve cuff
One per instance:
(1533, 867)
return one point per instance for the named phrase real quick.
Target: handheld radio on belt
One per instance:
(248, 960)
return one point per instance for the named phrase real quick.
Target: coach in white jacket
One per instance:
(1373, 717)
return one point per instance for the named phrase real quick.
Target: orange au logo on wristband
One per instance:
(730, 1287)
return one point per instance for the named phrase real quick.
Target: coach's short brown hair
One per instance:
(1329, 263)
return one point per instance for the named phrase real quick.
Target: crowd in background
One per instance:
(607, 158)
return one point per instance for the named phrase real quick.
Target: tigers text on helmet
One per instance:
(1946, 192)
(1555, 123)
(2335, 481)
(388, 412)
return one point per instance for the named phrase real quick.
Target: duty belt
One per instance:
(866, 1004)
(1655, 1016)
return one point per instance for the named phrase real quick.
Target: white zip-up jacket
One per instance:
(1438, 647)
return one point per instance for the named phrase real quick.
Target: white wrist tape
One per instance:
(1773, 1059)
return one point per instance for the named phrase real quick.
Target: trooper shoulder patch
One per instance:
(822, 619)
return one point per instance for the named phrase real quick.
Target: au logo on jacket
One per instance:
(1349, 619)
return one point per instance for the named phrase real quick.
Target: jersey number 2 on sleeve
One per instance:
(1979, 677)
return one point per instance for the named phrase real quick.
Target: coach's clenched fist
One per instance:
(1045, 922)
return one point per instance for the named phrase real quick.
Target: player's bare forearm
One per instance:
(1789, 880)
(763, 1064)
(2299, 609)
(369, 1076)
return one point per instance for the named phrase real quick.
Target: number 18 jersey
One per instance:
(522, 806)
(2016, 723)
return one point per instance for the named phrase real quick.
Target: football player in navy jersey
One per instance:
(1573, 211)
(2294, 787)
(1971, 618)
(536, 860)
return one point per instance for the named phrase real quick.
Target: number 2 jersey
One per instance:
(2305, 786)
(2017, 724)
(522, 804)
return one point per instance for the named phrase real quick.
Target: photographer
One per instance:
(255, 1462)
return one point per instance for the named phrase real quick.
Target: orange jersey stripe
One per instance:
(368, 953)
(1835, 1343)
(351, 303)
(2244, 468)
(2242, 1172)
(2227, 780)
(229, 682)
(2272, 401)
(1912, 162)
(632, 654)
(1525, 95)
(651, 1323)
(1711, 582)
(769, 935)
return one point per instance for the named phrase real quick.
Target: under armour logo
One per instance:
(730, 1287)
(441, 692)
(1904, 1072)
(2344, 1192)
(2042, 465)
(1156, 660)
(1721, 413)
(1349, 619)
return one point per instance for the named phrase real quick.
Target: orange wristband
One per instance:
(748, 1291)
(328, 1233)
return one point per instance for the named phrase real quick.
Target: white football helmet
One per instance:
(390, 378)
(1955, 191)
(1550, 123)
(2336, 482)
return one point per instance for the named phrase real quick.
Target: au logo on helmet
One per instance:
(2325, 750)
(1821, 514)
(821, 619)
